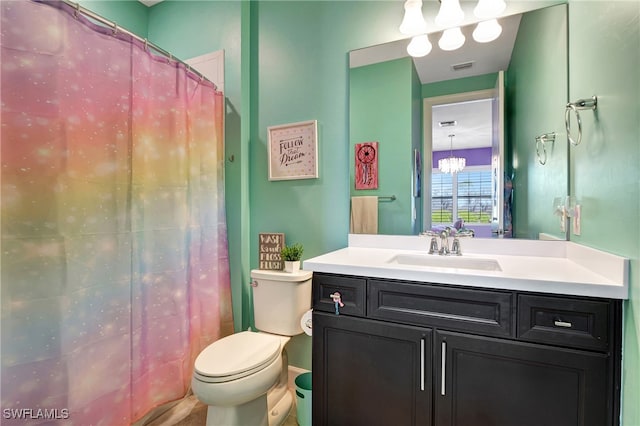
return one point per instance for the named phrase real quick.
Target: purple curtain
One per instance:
(114, 246)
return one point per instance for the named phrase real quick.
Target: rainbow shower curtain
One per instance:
(114, 246)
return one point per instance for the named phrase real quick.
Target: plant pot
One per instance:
(291, 266)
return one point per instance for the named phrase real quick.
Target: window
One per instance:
(465, 195)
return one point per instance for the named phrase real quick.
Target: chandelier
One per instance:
(452, 164)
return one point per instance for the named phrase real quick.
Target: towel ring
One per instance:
(541, 141)
(580, 104)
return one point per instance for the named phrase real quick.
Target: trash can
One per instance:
(303, 399)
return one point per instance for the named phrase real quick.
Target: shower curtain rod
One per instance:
(147, 43)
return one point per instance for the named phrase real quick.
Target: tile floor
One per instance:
(194, 413)
(198, 416)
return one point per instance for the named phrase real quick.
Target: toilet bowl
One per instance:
(243, 377)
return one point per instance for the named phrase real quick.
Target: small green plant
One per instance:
(292, 252)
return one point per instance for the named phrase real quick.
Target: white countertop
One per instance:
(557, 267)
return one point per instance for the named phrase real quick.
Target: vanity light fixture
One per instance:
(419, 46)
(487, 31)
(450, 16)
(487, 9)
(452, 39)
(450, 13)
(452, 164)
(413, 22)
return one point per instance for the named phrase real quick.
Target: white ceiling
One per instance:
(473, 128)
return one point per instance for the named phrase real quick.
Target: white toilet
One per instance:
(243, 377)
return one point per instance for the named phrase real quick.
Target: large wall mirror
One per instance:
(488, 103)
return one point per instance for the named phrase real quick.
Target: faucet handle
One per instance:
(455, 246)
(433, 244)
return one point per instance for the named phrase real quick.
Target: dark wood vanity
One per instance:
(414, 353)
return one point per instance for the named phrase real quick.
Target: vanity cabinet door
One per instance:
(368, 373)
(486, 381)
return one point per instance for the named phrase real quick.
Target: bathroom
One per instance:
(287, 62)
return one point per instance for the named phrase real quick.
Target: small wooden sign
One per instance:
(269, 251)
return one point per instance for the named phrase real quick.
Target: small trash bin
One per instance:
(303, 399)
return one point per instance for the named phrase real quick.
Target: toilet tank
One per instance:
(280, 299)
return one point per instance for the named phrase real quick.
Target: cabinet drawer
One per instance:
(564, 321)
(352, 292)
(471, 310)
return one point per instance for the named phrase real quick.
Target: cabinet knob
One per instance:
(337, 301)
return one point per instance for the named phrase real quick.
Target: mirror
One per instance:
(395, 101)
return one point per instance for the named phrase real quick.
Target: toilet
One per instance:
(243, 377)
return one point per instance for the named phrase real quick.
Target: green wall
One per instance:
(459, 85)
(381, 109)
(302, 74)
(536, 88)
(604, 58)
(128, 14)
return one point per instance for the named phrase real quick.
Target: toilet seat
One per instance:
(236, 356)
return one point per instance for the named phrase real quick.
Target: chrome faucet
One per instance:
(444, 242)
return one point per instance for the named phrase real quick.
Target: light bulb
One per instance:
(487, 31)
(413, 21)
(450, 14)
(487, 9)
(419, 46)
(451, 39)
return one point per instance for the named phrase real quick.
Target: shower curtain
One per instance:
(114, 250)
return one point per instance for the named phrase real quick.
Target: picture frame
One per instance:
(293, 151)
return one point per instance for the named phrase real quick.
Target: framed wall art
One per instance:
(293, 151)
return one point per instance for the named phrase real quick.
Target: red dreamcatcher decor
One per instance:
(366, 175)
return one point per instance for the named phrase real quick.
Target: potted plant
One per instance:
(291, 256)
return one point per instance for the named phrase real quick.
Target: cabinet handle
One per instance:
(443, 368)
(422, 345)
(337, 301)
(560, 323)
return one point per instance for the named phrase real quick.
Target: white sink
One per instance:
(436, 261)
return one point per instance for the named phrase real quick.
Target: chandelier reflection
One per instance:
(452, 164)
